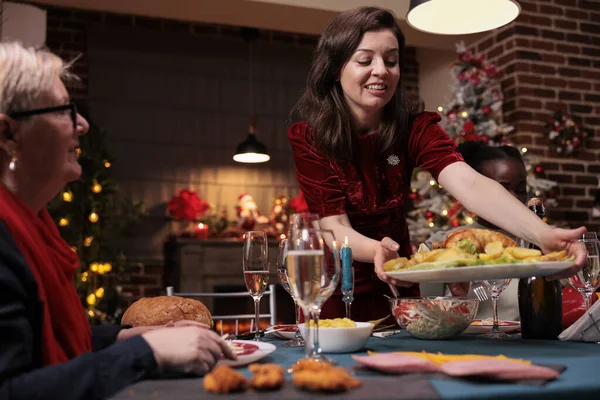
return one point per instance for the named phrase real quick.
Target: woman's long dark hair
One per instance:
(322, 104)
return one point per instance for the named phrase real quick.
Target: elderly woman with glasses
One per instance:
(48, 348)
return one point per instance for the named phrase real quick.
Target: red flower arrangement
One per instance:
(187, 205)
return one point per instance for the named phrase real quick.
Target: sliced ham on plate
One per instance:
(498, 369)
(396, 363)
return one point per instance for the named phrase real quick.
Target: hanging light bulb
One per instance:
(67, 197)
(87, 242)
(460, 17)
(91, 299)
(63, 222)
(96, 187)
(251, 150)
(94, 267)
(107, 164)
(99, 292)
(93, 217)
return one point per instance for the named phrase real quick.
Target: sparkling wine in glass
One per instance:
(494, 289)
(256, 270)
(297, 341)
(305, 269)
(587, 279)
(329, 282)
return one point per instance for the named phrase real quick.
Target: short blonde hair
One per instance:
(25, 74)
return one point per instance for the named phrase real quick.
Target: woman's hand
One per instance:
(388, 250)
(188, 349)
(557, 239)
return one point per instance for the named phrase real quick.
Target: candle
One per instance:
(347, 272)
(201, 231)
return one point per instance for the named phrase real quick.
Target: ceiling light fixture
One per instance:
(460, 17)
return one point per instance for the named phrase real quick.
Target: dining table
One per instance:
(579, 363)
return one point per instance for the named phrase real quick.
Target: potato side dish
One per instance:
(475, 247)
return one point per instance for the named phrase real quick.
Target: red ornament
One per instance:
(455, 223)
(485, 139)
(539, 169)
(469, 127)
(413, 195)
(486, 110)
(428, 214)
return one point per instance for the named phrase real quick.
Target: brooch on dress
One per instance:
(393, 160)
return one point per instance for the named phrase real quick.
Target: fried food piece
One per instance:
(555, 256)
(322, 377)
(310, 365)
(479, 237)
(521, 254)
(494, 248)
(223, 379)
(395, 264)
(266, 376)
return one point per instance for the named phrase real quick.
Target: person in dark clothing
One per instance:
(47, 348)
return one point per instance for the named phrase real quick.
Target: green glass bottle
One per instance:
(540, 300)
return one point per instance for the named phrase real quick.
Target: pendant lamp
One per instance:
(251, 150)
(460, 17)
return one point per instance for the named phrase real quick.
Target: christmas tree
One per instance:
(473, 113)
(94, 221)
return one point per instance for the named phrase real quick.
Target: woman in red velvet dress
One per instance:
(356, 145)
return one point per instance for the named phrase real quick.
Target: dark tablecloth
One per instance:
(581, 379)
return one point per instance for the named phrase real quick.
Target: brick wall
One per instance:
(551, 57)
(66, 36)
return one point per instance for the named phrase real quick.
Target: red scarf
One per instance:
(66, 332)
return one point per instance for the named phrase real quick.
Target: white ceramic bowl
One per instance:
(342, 340)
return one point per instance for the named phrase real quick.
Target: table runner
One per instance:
(581, 377)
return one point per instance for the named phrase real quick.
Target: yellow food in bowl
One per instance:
(335, 323)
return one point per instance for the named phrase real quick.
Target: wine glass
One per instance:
(587, 280)
(297, 341)
(329, 282)
(305, 272)
(494, 288)
(256, 270)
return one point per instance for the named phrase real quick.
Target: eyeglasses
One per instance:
(24, 114)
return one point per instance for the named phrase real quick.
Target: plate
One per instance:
(250, 351)
(482, 272)
(479, 326)
(284, 331)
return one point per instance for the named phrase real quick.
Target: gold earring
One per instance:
(13, 163)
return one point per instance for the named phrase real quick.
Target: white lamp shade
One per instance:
(461, 17)
(24, 23)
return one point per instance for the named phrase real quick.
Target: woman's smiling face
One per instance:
(370, 77)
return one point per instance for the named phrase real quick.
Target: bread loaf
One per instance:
(152, 311)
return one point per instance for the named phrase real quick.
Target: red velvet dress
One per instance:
(372, 190)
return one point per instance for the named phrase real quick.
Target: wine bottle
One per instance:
(540, 300)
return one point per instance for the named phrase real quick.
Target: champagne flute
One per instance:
(587, 280)
(297, 341)
(329, 282)
(256, 270)
(305, 270)
(494, 289)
